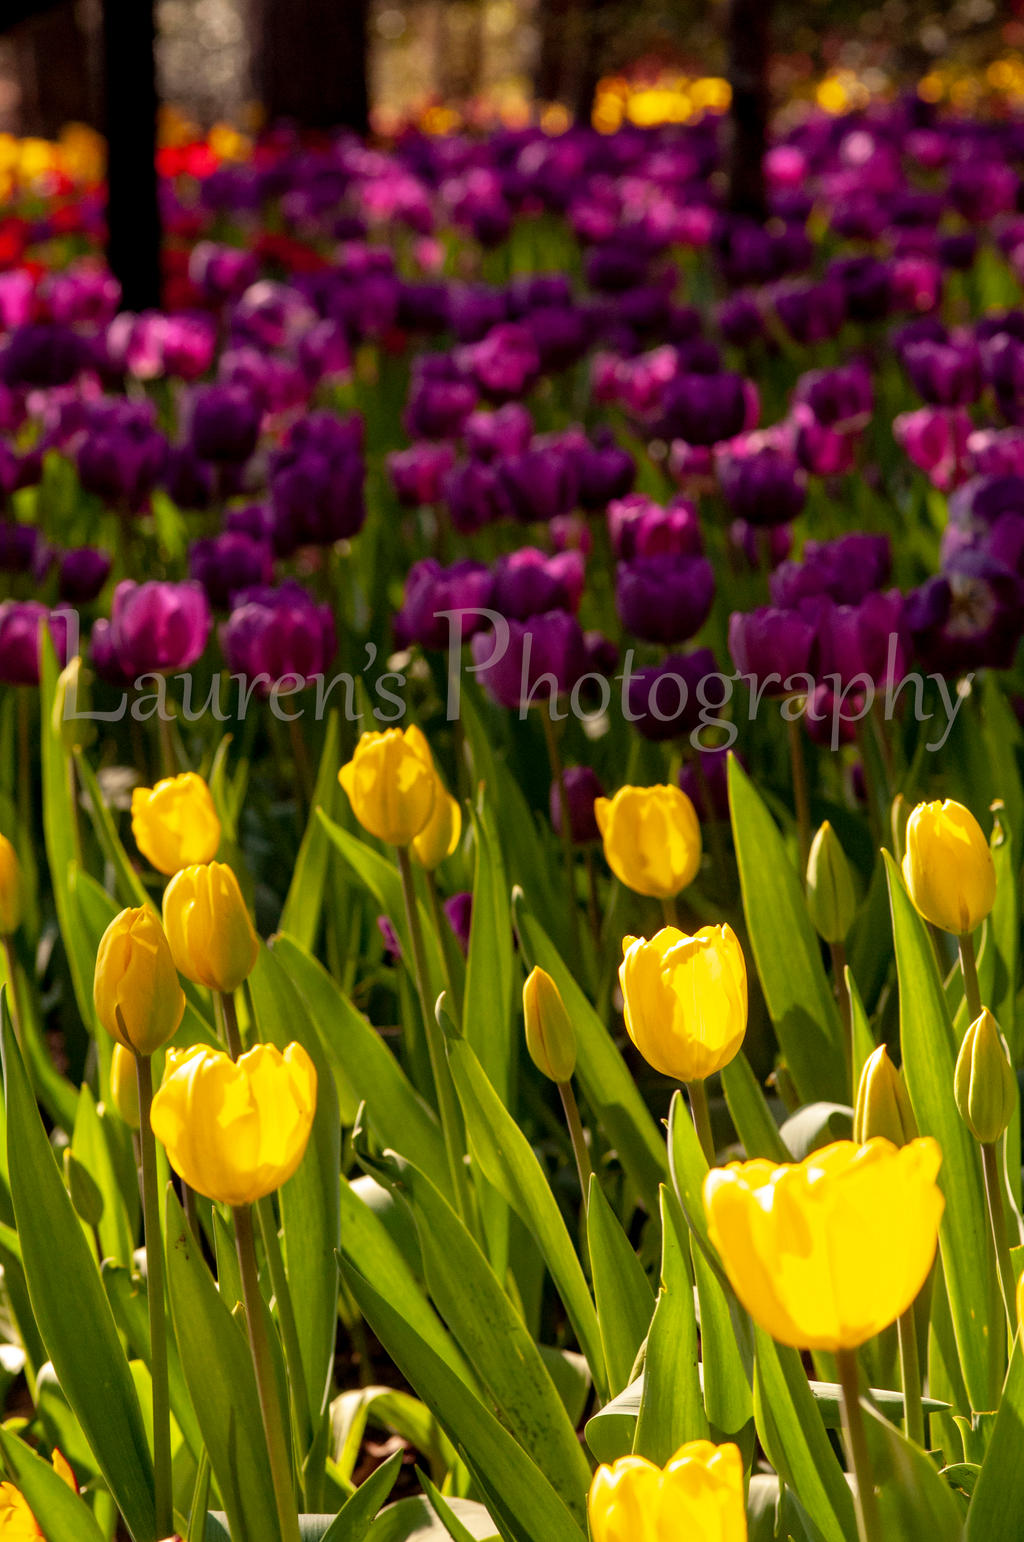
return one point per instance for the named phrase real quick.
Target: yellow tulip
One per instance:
(124, 1086)
(550, 1037)
(17, 1523)
(235, 1130)
(948, 868)
(685, 999)
(440, 836)
(136, 990)
(392, 784)
(175, 823)
(208, 926)
(698, 1495)
(827, 1252)
(11, 889)
(651, 838)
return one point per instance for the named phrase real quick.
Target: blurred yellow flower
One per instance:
(698, 1495)
(208, 926)
(175, 823)
(11, 889)
(651, 838)
(392, 784)
(685, 999)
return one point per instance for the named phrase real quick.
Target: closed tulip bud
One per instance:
(124, 1086)
(11, 889)
(651, 839)
(831, 896)
(699, 1494)
(136, 990)
(440, 836)
(550, 1036)
(175, 823)
(883, 1107)
(71, 708)
(391, 784)
(235, 1130)
(208, 927)
(984, 1085)
(827, 1252)
(948, 868)
(685, 999)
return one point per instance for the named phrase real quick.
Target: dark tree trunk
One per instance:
(312, 62)
(749, 47)
(133, 214)
(53, 65)
(555, 28)
(594, 24)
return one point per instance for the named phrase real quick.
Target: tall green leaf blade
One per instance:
(57, 1509)
(913, 1500)
(672, 1405)
(353, 1521)
(304, 900)
(750, 1112)
(625, 1300)
(487, 1013)
(998, 1499)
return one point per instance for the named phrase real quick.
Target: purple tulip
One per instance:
(811, 312)
(476, 496)
(459, 914)
(122, 454)
(20, 621)
(839, 398)
(758, 547)
(664, 599)
(540, 483)
(544, 655)
(438, 405)
(945, 374)
(23, 550)
(705, 781)
(418, 474)
(705, 409)
(528, 582)
(39, 355)
(278, 634)
(996, 452)
(603, 470)
(869, 638)
(764, 488)
(491, 435)
(639, 527)
(662, 699)
(223, 564)
(740, 320)
(846, 569)
(82, 574)
(770, 642)
(188, 480)
(430, 589)
(968, 617)
(221, 272)
(316, 483)
(581, 786)
(154, 627)
(935, 439)
(223, 423)
(505, 363)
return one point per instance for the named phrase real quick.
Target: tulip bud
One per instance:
(550, 1036)
(136, 991)
(440, 836)
(211, 936)
(124, 1086)
(948, 867)
(831, 896)
(175, 824)
(71, 708)
(11, 889)
(984, 1085)
(883, 1107)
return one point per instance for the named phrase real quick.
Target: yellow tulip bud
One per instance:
(550, 1036)
(235, 1130)
(208, 926)
(651, 838)
(685, 999)
(948, 868)
(391, 784)
(883, 1107)
(175, 823)
(984, 1085)
(11, 889)
(136, 990)
(124, 1087)
(440, 836)
(831, 896)
(698, 1494)
(827, 1252)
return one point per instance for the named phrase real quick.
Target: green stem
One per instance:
(910, 1369)
(801, 797)
(446, 942)
(698, 1096)
(670, 912)
(568, 857)
(446, 1105)
(168, 758)
(593, 902)
(273, 1423)
(845, 1011)
(228, 1015)
(868, 1523)
(997, 1222)
(155, 1295)
(579, 1141)
(969, 970)
(286, 1319)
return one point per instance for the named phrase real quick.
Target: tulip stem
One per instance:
(446, 1106)
(910, 1371)
(579, 1140)
(155, 1296)
(446, 942)
(286, 1319)
(229, 1017)
(997, 1222)
(866, 1503)
(670, 912)
(568, 859)
(273, 1423)
(845, 1011)
(801, 797)
(969, 970)
(697, 1092)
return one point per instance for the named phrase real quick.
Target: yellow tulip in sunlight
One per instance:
(698, 1496)
(651, 839)
(685, 999)
(440, 836)
(136, 990)
(948, 868)
(208, 926)
(391, 783)
(11, 889)
(175, 823)
(827, 1252)
(124, 1086)
(236, 1130)
(550, 1036)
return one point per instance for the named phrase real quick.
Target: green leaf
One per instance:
(672, 1405)
(929, 1060)
(413, 1520)
(487, 1013)
(222, 1385)
(751, 1114)
(130, 888)
(445, 1514)
(58, 1511)
(913, 1500)
(127, 1295)
(353, 1521)
(816, 1125)
(998, 1498)
(70, 1304)
(89, 1145)
(1004, 930)
(506, 1159)
(786, 948)
(528, 1505)
(304, 900)
(604, 1076)
(625, 1300)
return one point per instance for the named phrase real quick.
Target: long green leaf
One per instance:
(998, 1499)
(58, 1511)
(625, 1300)
(751, 1114)
(304, 900)
(487, 1013)
(353, 1521)
(913, 1500)
(672, 1405)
